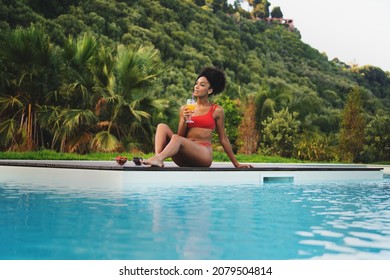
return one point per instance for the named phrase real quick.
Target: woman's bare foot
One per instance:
(153, 161)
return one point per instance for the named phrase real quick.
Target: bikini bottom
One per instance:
(206, 144)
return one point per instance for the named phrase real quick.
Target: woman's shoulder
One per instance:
(218, 109)
(217, 106)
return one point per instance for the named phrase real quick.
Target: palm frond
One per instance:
(138, 114)
(80, 143)
(105, 141)
(74, 118)
(81, 50)
(26, 46)
(70, 124)
(136, 67)
(10, 103)
(49, 116)
(8, 129)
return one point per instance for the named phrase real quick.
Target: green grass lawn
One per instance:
(52, 155)
(218, 157)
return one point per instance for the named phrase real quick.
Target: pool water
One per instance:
(343, 220)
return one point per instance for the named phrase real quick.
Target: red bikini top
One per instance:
(204, 121)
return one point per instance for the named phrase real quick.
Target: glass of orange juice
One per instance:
(191, 104)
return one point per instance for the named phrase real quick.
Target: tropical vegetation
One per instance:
(98, 75)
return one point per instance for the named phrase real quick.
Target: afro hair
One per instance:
(216, 78)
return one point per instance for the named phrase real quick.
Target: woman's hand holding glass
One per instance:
(189, 109)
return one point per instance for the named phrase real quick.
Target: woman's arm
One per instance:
(223, 139)
(182, 128)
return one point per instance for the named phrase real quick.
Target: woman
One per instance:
(191, 146)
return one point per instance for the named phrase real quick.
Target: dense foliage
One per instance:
(98, 75)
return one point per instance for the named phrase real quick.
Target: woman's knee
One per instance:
(164, 129)
(163, 126)
(176, 138)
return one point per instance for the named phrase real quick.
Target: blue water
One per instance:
(346, 220)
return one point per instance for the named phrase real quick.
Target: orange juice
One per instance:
(191, 107)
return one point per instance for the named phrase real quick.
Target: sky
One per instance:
(354, 31)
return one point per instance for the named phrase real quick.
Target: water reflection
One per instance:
(60, 221)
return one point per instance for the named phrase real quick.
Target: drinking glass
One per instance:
(191, 104)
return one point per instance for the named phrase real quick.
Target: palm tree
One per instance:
(104, 99)
(125, 83)
(71, 119)
(99, 100)
(71, 128)
(30, 64)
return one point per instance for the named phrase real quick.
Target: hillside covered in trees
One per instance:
(100, 74)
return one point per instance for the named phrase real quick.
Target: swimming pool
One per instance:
(333, 220)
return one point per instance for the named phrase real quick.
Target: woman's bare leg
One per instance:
(162, 137)
(184, 152)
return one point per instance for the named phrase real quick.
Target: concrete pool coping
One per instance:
(170, 166)
(221, 173)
